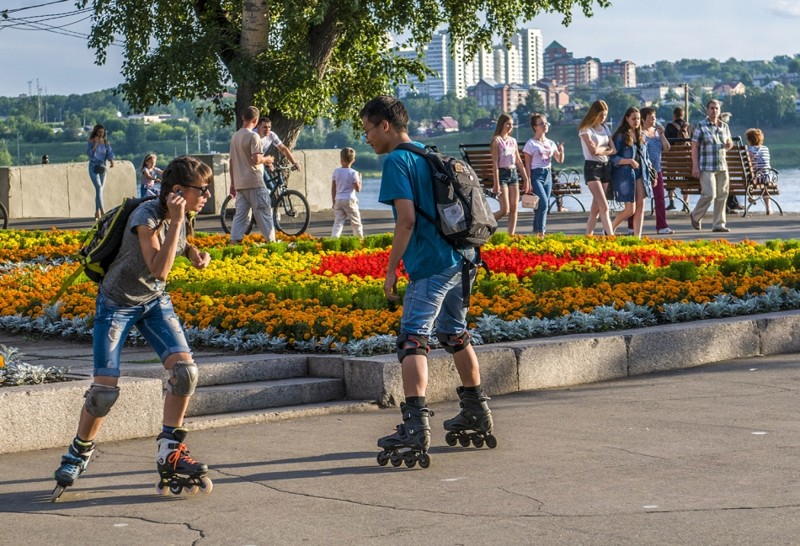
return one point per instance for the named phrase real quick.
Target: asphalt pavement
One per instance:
(702, 456)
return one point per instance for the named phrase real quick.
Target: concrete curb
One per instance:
(45, 416)
(585, 358)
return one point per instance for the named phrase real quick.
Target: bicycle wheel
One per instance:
(291, 214)
(226, 215)
(3, 215)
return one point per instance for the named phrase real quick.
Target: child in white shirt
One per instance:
(346, 183)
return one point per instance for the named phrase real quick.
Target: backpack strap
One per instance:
(67, 283)
(468, 264)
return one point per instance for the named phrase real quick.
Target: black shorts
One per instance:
(596, 170)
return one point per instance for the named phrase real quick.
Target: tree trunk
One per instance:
(255, 31)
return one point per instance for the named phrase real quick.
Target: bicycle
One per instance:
(290, 211)
(3, 215)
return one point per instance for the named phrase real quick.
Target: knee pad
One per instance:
(182, 378)
(411, 344)
(100, 399)
(454, 343)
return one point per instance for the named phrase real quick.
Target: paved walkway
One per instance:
(702, 456)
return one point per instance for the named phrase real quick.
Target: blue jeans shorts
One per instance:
(509, 177)
(436, 301)
(155, 320)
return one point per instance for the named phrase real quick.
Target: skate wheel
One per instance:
(451, 438)
(160, 489)
(396, 459)
(206, 485)
(464, 441)
(57, 492)
(424, 460)
(383, 458)
(191, 489)
(491, 442)
(410, 459)
(477, 441)
(175, 489)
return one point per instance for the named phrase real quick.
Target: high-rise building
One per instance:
(436, 57)
(507, 65)
(529, 44)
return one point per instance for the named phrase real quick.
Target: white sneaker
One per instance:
(628, 231)
(666, 231)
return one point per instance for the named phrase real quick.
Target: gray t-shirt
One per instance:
(129, 281)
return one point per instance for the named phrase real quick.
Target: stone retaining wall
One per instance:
(64, 190)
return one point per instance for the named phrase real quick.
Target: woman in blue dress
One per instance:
(629, 170)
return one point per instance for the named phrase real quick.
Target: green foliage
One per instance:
(683, 271)
(299, 60)
(5, 155)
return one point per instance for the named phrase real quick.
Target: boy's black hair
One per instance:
(385, 107)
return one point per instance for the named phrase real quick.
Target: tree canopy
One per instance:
(296, 59)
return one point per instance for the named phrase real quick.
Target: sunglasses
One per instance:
(202, 190)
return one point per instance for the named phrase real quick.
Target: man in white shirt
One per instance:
(269, 138)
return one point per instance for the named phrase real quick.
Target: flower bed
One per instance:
(310, 294)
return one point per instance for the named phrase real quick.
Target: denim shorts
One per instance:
(155, 320)
(436, 301)
(509, 177)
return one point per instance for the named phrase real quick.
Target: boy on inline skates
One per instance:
(132, 294)
(433, 297)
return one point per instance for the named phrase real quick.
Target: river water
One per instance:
(788, 182)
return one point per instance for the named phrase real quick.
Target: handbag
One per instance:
(99, 169)
(530, 201)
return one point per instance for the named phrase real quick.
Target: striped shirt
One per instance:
(759, 155)
(711, 141)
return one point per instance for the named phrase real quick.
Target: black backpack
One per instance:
(463, 216)
(102, 242)
(683, 131)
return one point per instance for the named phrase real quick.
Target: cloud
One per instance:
(786, 7)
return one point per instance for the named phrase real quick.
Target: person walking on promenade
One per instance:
(99, 151)
(759, 158)
(507, 169)
(434, 297)
(710, 141)
(657, 143)
(629, 170)
(538, 154)
(247, 180)
(597, 147)
(344, 186)
(132, 293)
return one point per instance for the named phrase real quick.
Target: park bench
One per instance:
(566, 182)
(676, 167)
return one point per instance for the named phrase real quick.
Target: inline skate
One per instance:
(73, 463)
(410, 442)
(178, 471)
(473, 423)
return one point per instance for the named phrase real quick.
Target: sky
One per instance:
(643, 31)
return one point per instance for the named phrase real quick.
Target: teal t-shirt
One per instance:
(408, 176)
